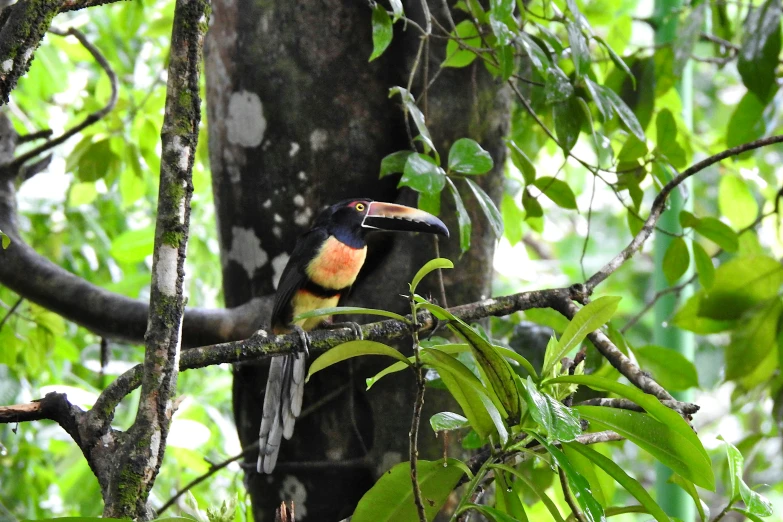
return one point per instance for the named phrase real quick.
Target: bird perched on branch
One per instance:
(321, 270)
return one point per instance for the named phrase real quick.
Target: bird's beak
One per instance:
(389, 216)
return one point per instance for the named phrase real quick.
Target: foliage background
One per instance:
(91, 212)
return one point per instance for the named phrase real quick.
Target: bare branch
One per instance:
(660, 202)
(17, 163)
(683, 408)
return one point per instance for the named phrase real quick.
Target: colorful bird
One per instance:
(321, 270)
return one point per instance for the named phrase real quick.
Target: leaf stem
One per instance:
(417, 407)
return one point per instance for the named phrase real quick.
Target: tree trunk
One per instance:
(299, 119)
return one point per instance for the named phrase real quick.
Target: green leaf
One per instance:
(381, 31)
(493, 365)
(456, 56)
(568, 122)
(704, 266)
(391, 498)
(467, 157)
(533, 208)
(350, 350)
(625, 113)
(635, 224)
(687, 485)
(601, 100)
(489, 208)
(513, 216)
(660, 440)
(522, 162)
(616, 472)
(687, 442)
(470, 394)
(747, 514)
(689, 318)
(687, 220)
(394, 162)
(4, 240)
(493, 514)
(736, 202)
(756, 504)
(551, 507)
(579, 486)
(133, 246)
(463, 218)
(718, 232)
(422, 174)
(590, 318)
(747, 122)
(580, 54)
(617, 60)
(557, 190)
(82, 194)
(409, 102)
(558, 420)
(741, 284)
(670, 368)
(430, 266)
(447, 421)
(429, 202)
(676, 260)
(97, 161)
(399, 366)
(346, 310)
(758, 57)
(752, 340)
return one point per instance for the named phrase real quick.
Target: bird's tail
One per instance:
(282, 405)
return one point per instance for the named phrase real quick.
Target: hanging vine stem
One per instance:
(417, 408)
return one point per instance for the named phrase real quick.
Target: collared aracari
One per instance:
(321, 270)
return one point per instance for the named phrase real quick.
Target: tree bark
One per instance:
(297, 120)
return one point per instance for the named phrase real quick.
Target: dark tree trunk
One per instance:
(298, 119)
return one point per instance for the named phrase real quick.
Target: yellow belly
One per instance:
(304, 301)
(336, 265)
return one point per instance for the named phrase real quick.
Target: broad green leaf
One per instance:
(616, 472)
(718, 232)
(470, 394)
(399, 366)
(350, 350)
(463, 218)
(422, 174)
(409, 102)
(597, 92)
(82, 194)
(456, 56)
(447, 421)
(559, 421)
(617, 60)
(754, 502)
(740, 284)
(592, 509)
(381, 31)
(489, 208)
(736, 202)
(513, 216)
(557, 190)
(501, 9)
(663, 442)
(533, 208)
(590, 318)
(580, 54)
(699, 459)
(394, 162)
(689, 318)
(391, 498)
(4, 240)
(467, 157)
(492, 364)
(347, 310)
(133, 246)
(557, 85)
(747, 514)
(635, 223)
(687, 485)
(758, 57)
(666, 129)
(492, 514)
(704, 266)
(752, 340)
(687, 220)
(430, 266)
(632, 149)
(676, 260)
(537, 56)
(625, 113)
(97, 161)
(587, 469)
(669, 368)
(429, 202)
(551, 507)
(522, 162)
(568, 122)
(747, 122)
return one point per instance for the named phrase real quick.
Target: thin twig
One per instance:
(17, 163)
(569, 497)
(676, 290)
(11, 311)
(416, 421)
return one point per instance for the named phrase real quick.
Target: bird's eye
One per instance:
(360, 207)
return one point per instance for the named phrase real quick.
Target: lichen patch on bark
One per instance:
(246, 250)
(245, 123)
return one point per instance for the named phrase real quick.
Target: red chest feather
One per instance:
(336, 265)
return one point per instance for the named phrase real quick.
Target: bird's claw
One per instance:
(305, 341)
(355, 328)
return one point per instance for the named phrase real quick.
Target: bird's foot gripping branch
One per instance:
(515, 410)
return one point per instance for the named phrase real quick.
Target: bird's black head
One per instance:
(350, 220)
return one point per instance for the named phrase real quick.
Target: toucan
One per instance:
(320, 271)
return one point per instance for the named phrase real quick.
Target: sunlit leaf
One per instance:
(422, 174)
(133, 246)
(717, 232)
(446, 421)
(676, 260)
(559, 421)
(736, 202)
(760, 48)
(669, 368)
(456, 56)
(352, 349)
(430, 266)
(557, 190)
(381, 31)
(489, 208)
(704, 266)
(467, 157)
